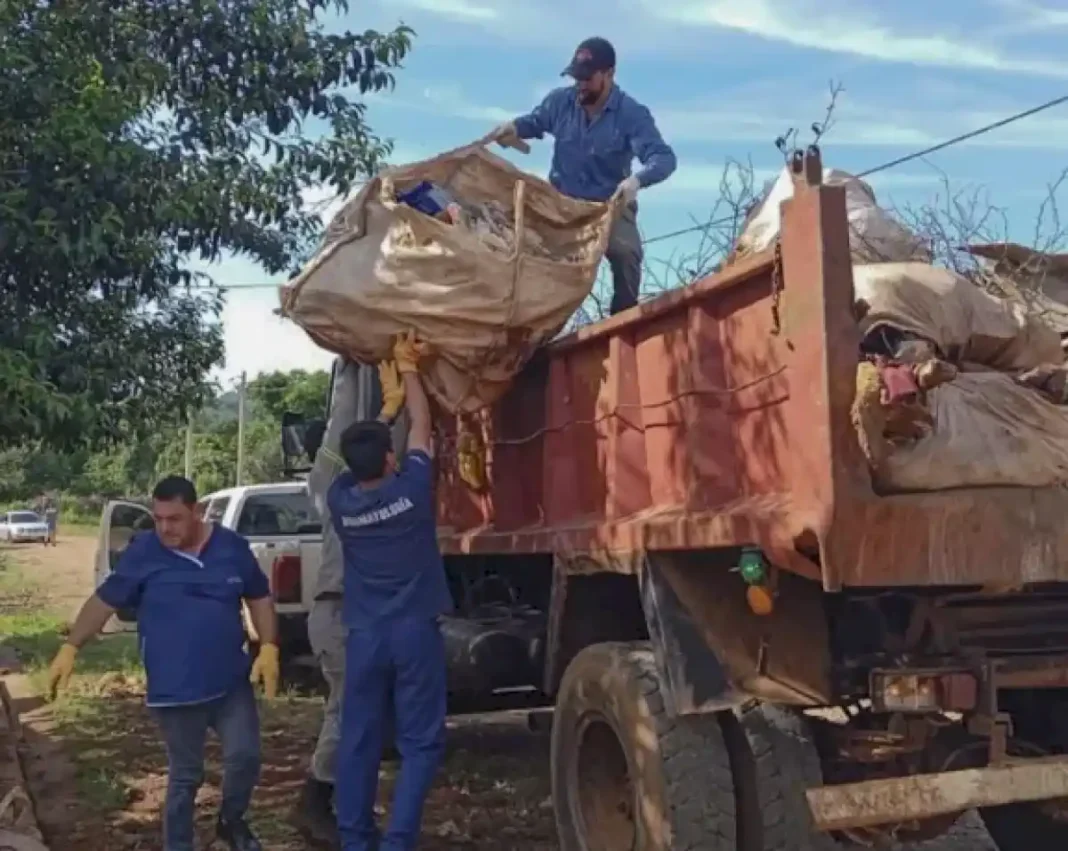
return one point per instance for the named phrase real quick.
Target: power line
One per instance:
(726, 220)
(1027, 113)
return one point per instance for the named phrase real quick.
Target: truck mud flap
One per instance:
(693, 678)
(901, 799)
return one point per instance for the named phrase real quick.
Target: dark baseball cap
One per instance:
(593, 55)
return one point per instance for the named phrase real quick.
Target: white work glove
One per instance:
(629, 189)
(505, 133)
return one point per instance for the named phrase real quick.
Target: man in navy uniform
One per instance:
(353, 398)
(395, 593)
(186, 580)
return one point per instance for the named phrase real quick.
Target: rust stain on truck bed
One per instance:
(719, 415)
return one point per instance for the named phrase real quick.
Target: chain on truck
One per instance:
(746, 646)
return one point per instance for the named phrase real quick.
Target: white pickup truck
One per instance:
(280, 524)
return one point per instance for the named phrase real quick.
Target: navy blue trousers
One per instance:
(403, 659)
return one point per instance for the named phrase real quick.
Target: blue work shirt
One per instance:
(388, 534)
(591, 158)
(188, 613)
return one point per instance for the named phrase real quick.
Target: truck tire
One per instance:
(774, 762)
(1025, 827)
(627, 776)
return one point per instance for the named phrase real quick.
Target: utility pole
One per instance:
(241, 388)
(189, 446)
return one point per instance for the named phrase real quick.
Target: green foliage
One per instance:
(87, 479)
(298, 392)
(134, 137)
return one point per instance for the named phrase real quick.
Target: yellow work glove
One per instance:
(60, 670)
(392, 389)
(407, 351)
(265, 670)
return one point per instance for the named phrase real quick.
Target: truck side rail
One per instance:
(715, 415)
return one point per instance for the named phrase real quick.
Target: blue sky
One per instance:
(723, 78)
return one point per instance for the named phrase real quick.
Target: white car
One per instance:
(23, 526)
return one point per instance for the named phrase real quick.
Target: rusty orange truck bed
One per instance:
(676, 541)
(734, 616)
(718, 415)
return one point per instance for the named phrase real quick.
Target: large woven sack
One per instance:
(988, 431)
(484, 301)
(874, 235)
(964, 322)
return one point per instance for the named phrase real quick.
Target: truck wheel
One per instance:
(774, 761)
(1025, 827)
(627, 776)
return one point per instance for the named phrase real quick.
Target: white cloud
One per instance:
(462, 10)
(1025, 17)
(857, 125)
(706, 179)
(752, 119)
(445, 99)
(1044, 17)
(258, 340)
(812, 25)
(255, 338)
(448, 99)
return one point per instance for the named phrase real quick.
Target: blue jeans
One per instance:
(404, 660)
(235, 719)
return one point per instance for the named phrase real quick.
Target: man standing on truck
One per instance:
(395, 592)
(599, 129)
(352, 399)
(186, 581)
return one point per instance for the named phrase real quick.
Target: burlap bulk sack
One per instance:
(875, 236)
(988, 431)
(964, 322)
(485, 298)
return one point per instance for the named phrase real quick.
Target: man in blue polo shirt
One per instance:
(598, 130)
(395, 591)
(186, 581)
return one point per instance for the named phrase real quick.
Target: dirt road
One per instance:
(99, 775)
(63, 573)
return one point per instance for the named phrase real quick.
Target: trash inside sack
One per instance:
(430, 199)
(491, 221)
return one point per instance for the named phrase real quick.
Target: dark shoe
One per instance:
(314, 814)
(237, 835)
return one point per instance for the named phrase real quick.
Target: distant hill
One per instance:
(222, 410)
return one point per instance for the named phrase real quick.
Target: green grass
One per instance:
(100, 786)
(100, 776)
(80, 528)
(35, 632)
(107, 666)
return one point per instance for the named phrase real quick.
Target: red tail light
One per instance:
(285, 579)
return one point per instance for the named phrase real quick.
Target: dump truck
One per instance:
(746, 645)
